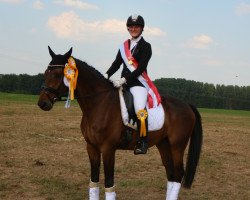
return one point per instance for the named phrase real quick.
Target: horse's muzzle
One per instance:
(45, 102)
(45, 105)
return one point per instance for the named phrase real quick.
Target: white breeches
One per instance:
(140, 95)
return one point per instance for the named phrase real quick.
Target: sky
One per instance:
(200, 40)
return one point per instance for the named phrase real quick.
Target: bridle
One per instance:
(49, 90)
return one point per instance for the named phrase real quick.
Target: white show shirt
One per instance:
(133, 42)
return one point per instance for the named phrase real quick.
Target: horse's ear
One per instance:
(68, 54)
(52, 54)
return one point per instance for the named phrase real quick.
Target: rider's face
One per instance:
(134, 31)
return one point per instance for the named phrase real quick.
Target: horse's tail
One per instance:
(194, 150)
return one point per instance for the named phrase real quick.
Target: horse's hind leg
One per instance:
(172, 158)
(166, 157)
(178, 173)
(95, 160)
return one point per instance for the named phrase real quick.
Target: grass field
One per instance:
(43, 157)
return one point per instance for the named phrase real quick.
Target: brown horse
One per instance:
(104, 132)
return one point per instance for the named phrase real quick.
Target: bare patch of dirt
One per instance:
(43, 157)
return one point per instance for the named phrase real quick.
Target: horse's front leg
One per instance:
(95, 160)
(109, 164)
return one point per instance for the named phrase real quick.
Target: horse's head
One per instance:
(54, 87)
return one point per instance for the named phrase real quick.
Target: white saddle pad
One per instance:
(156, 116)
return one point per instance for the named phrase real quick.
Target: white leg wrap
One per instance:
(169, 189)
(110, 193)
(174, 191)
(93, 191)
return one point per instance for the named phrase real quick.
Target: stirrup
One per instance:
(141, 148)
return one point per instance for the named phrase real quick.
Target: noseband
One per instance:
(50, 90)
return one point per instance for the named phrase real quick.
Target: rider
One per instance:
(135, 54)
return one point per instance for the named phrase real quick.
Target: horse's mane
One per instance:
(90, 68)
(83, 65)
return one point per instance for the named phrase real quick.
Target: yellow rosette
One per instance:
(71, 74)
(142, 115)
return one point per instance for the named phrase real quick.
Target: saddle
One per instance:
(156, 116)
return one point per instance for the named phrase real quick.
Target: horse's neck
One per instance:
(89, 79)
(91, 91)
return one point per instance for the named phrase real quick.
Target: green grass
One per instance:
(22, 98)
(225, 112)
(6, 98)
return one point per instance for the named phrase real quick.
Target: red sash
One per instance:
(154, 98)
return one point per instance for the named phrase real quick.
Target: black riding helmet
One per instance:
(135, 20)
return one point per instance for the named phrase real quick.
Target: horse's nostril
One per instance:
(41, 104)
(44, 105)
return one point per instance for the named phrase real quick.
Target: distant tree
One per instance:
(38, 80)
(8, 82)
(23, 83)
(205, 94)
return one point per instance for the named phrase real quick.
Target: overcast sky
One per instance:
(201, 40)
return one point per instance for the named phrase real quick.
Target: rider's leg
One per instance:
(140, 99)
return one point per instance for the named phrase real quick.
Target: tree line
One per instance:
(206, 95)
(21, 84)
(197, 93)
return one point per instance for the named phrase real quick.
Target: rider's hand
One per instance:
(119, 83)
(106, 76)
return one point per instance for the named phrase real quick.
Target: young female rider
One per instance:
(135, 54)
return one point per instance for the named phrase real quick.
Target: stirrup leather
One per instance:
(142, 116)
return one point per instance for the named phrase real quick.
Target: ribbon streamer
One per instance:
(71, 75)
(142, 115)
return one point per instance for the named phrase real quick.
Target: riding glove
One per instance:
(119, 83)
(106, 76)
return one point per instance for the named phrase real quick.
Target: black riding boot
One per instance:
(141, 146)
